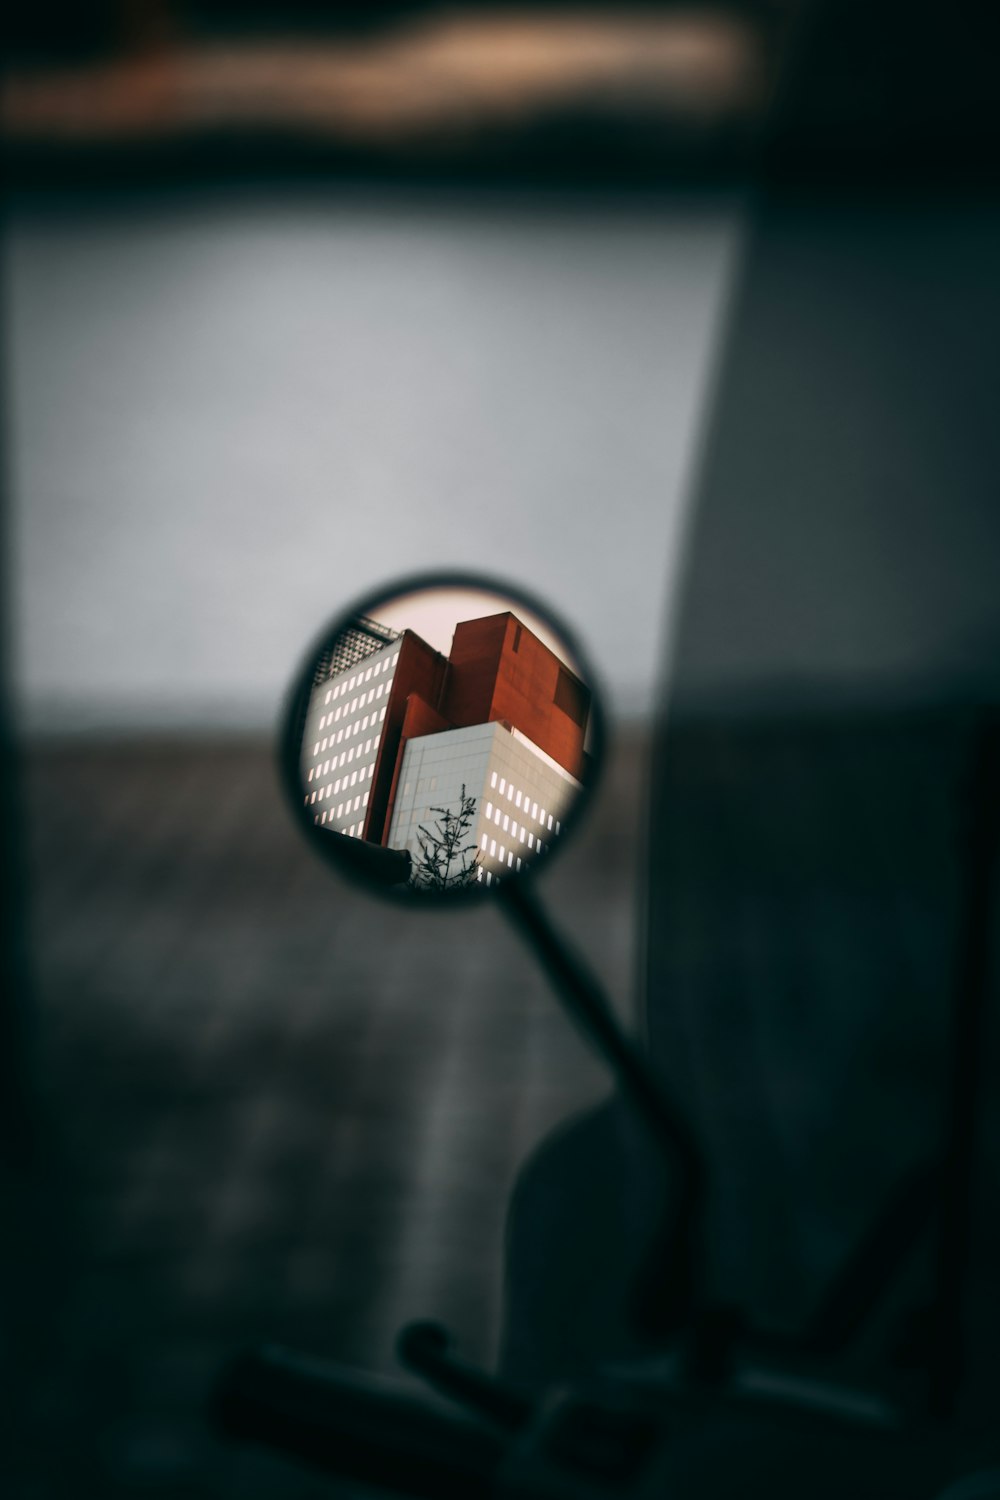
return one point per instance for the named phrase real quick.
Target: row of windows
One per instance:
(506, 788)
(324, 769)
(349, 708)
(348, 687)
(510, 825)
(499, 852)
(344, 809)
(331, 790)
(353, 832)
(336, 739)
(343, 759)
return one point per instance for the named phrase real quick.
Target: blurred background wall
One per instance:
(231, 414)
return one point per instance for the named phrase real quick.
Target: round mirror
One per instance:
(439, 738)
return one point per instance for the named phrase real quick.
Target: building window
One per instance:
(542, 817)
(501, 786)
(340, 736)
(354, 777)
(496, 816)
(531, 841)
(378, 736)
(517, 800)
(489, 808)
(557, 825)
(381, 716)
(534, 810)
(513, 829)
(501, 853)
(522, 833)
(329, 694)
(310, 776)
(368, 675)
(550, 822)
(510, 859)
(483, 843)
(506, 823)
(493, 848)
(479, 873)
(368, 746)
(518, 861)
(365, 801)
(493, 779)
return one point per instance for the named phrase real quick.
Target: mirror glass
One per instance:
(440, 737)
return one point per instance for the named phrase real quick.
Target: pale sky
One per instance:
(434, 615)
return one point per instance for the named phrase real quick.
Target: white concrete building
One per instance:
(522, 795)
(341, 739)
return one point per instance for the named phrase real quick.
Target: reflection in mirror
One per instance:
(445, 735)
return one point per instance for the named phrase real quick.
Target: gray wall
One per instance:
(231, 416)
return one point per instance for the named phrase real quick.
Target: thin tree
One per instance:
(444, 862)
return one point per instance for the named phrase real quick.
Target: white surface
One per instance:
(230, 417)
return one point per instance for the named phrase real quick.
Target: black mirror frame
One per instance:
(296, 703)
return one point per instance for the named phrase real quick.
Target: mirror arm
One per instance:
(666, 1288)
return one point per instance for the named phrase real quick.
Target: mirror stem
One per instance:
(667, 1289)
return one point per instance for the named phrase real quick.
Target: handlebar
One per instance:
(355, 1427)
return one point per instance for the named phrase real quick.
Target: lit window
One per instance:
(519, 862)
(513, 829)
(368, 675)
(496, 816)
(381, 690)
(371, 694)
(336, 716)
(531, 841)
(557, 826)
(365, 802)
(489, 809)
(483, 842)
(493, 848)
(502, 786)
(364, 722)
(323, 744)
(350, 755)
(506, 823)
(479, 873)
(523, 835)
(489, 878)
(350, 685)
(329, 693)
(322, 720)
(310, 776)
(378, 736)
(323, 818)
(493, 779)
(313, 797)
(510, 791)
(340, 736)
(340, 810)
(326, 768)
(354, 777)
(534, 809)
(501, 854)
(517, 799)
(336, 787)
(510, 859)
(368, 746)
(381, 716)
(550, 822)
(316, 748)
